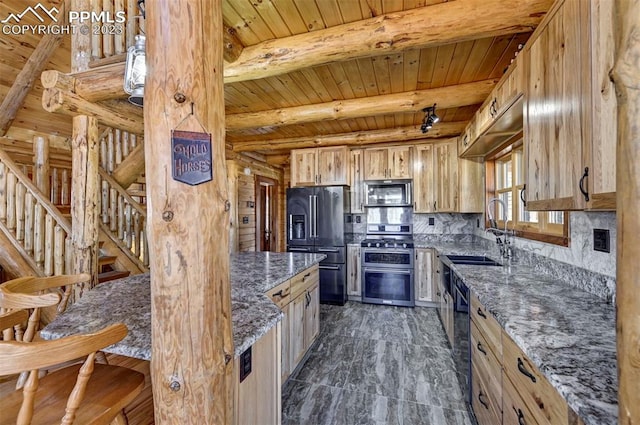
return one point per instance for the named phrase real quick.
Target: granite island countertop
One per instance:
(128, 300)
(568, 333)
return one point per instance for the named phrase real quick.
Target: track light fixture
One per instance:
(430, 118)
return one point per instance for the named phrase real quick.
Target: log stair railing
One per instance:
(36, 228)
(123, 220)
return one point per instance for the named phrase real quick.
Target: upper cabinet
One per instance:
(320, 166)
(387, 163)
(445, 183)
(357, 181)
(570, 109)
(499, 118)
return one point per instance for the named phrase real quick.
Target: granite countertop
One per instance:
(128, 300)
(568, 333)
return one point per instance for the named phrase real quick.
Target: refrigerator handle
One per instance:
(290, 227)
(311, 216)
(315, 216)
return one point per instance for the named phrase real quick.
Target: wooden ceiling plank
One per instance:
(427, 67)
(234, 20)
(290, 94)
(349, 12)
(355, 79)
(329, 82)
(382, 74)
(390, 6)
(330, 12)
(253, 19)
(310, 14)
(460, 58)
(301, 95)
(245, 97)
(406, 102)
(315, 83)
(301, 80)
(435, 25)
(367, 73)
(371, 8)
(478, 52)
(442, 64)
(410, 69)
(396, 72)
(342, 80)
(493, 55)
(509, 54)
(271, 17)
(232, 44)
(290, 14)
(353, 139)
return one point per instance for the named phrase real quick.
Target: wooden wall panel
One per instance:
(246, 213)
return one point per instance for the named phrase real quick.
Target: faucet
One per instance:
(505, 247)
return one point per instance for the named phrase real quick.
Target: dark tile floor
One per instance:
(376, 364)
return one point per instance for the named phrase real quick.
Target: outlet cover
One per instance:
(432, 221)
(245, 364)
(358, 219)
(601, 240)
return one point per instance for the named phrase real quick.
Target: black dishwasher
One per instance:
(461, 340)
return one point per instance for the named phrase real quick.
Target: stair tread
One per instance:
(112, 275)
(104, 260)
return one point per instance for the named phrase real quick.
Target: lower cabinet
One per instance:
(299, 300)
(257, 398)
(424, 276)
(507, 387)
(354, 278)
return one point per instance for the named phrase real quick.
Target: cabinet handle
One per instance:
(280, 294)
(466, 140)
(523, 370)
(481, 313)
(306, 276)
(524, 189)
(484, 403)
(434, 205)
(481, 349)
(584, 191)
(320, 178)
(521, 420)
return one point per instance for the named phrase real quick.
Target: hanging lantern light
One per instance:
(135, 71)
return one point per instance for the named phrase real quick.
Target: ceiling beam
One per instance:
(442, 129)
(424, 27)
(443, 23)
(232, 44)
(23, 83)
(407, 102)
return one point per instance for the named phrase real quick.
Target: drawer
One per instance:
(543, 401)
(302, 281)
(484, 360)
(514, 409)
(486, 406)
(487, 325)
(281, 294)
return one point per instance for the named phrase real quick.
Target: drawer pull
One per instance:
(484, 403)
(481, 349)
(306, 276)
(481, 313)
(279, 294)
(523, 370)
(521, 420)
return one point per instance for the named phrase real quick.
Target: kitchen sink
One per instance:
(474, 260)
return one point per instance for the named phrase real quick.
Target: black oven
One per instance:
(387, 276)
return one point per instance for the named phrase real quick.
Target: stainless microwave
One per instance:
(388, 193)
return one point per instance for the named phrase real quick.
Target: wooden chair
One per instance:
(30, 293)
(88, 393)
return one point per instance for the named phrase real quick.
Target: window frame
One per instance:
(543, 230)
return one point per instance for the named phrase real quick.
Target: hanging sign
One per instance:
(191, 157)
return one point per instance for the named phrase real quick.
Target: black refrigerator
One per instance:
(317, 220)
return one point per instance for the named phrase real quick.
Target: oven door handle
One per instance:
(389, 270)
(330, 267)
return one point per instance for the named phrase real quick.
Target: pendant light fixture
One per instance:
(135, 69)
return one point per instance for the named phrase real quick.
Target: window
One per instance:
(547, 226)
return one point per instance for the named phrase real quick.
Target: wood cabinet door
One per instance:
(285, 335)
(311, 316)
(424, 194)
(354, 288)
(400, 163)
(333, 166)
(470, 185)
(304, 167)
(356, 181)
(446, 176)
(376, 164)
(297, 346)
(553, 117)
(424, 275)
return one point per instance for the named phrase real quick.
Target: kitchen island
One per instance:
(569, 334)
(128, 301)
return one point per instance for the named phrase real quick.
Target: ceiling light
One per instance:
(135, 71)
(430, 118)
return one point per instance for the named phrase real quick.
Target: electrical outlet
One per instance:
(245, 364)
(358, 219)
(432, 221)
(601, 240)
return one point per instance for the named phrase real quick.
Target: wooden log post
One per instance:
(85, 200)
(233, 169)
(626, 76)
(41, 165)
(192, 345)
